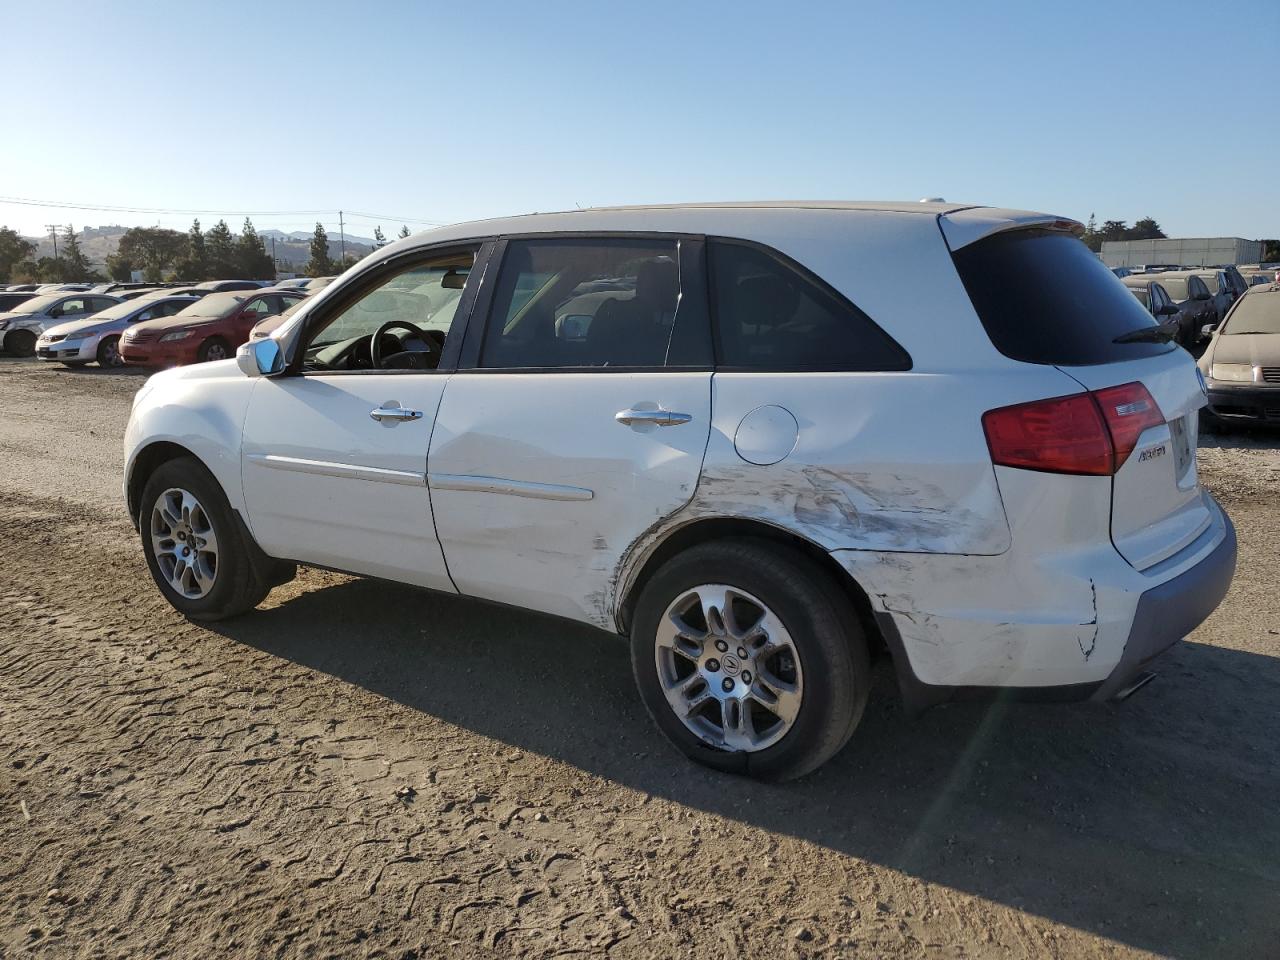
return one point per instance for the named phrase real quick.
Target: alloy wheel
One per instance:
(729, 668)
(185, 543)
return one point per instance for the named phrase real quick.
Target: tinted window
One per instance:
(1045, 298)
(771, 316)
(602, 302)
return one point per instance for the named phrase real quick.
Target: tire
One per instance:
(819, 693)
(20, 343)
(215, 348)
(109, 353)
(234, 579)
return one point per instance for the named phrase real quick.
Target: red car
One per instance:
(209, 329)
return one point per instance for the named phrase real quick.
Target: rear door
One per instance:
(1157, 504)
(1044, 298)
(578, 420)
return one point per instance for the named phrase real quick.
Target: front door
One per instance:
(581, 422)
(334, 456)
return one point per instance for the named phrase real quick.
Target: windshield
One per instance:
(37, 304)
(118, 311)
(214, 305)
(1255, 313)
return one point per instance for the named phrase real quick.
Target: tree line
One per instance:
(1144, 229)
(164, 254)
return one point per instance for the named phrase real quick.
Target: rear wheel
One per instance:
(21, 343)
(750, 659)
(109, 353)
(215, 348)
(196, 550)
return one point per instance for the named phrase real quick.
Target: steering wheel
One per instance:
(375, 345)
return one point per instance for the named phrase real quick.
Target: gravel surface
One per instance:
(360, 769)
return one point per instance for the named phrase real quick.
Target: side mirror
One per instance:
(260, 358)
(1167, 310)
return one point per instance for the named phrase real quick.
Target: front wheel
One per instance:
(750, 658)
(109, 353)
(21, 343)
(196, 551)
(215, 348)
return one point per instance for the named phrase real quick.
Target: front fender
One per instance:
(200, 409)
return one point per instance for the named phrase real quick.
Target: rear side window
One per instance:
(600, 302)
(772, 316)
(1044, 297)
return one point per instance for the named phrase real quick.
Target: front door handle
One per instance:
(390, 412)
(661, 418)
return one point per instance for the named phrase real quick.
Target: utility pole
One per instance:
(342, 233)
(53, 233)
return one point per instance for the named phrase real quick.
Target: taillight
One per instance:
(1085, 433)
(1128, 409)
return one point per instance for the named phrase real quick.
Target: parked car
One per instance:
(24, 287)
(97, 337)
(265, 327)
(10, 299)
(1156, 299)
(176, 291)
(1221, 290)
(293, 282)
(1121, 272)
(316, 284)
(21, 325)
(226, 286)
(1195, 301)
(1242, 362)
(990, 473)
(209, 329)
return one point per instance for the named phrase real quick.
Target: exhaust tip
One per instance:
(1138, 682)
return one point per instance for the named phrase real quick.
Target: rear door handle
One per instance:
(661, 418)
(388, 412)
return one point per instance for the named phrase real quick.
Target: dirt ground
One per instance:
(359, 769)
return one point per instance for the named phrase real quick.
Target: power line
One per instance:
(116, 208)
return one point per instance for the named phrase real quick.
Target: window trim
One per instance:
(691, 259)
(374, 276)
(907, 363)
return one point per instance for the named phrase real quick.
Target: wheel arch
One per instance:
(145, 463)
(738, 528)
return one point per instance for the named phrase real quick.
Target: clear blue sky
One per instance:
(447, 112)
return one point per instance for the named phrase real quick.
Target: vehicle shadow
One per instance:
(1073, 812)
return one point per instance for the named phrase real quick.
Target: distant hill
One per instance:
(292, 250)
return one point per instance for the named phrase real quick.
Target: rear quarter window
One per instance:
(1043, 297)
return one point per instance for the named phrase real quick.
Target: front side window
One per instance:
(410, 313)
(771, 316)
(600, 302)
(71, 308)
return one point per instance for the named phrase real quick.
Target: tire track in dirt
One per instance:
(187, 791)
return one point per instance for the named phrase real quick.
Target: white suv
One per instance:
(765, 441)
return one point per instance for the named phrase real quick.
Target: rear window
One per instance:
(1044, 297)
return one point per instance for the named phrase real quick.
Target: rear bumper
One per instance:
(956, 631)
(1169, 612)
